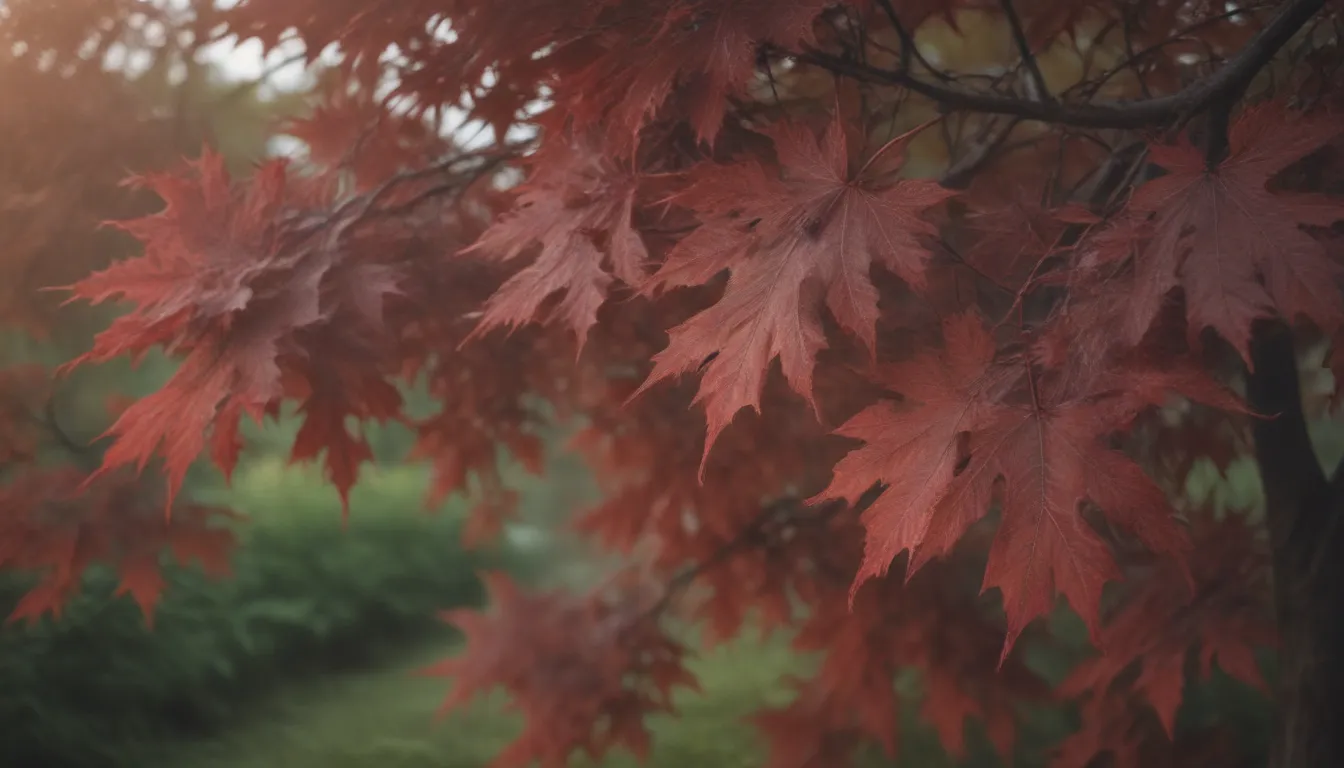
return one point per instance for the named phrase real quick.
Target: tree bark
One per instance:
(1303, 509)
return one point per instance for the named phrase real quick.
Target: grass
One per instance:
(385, 719)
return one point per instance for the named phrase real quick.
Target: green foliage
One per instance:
(95, 688)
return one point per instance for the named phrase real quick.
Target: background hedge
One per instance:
(97, 688)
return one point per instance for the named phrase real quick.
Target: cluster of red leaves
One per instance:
(246, 286)
(655, 508)
(794, 236)
(1235, 246)
(1040, 450)
(584, 671)
(487, 402)
(349, 129)
(488, 392)
(59, 523)
(930, 623)
(578, 204)
(1142, 672)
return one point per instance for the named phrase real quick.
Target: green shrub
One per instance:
(307, 595)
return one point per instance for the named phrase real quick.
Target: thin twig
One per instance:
(1042, 93)
(752, 535)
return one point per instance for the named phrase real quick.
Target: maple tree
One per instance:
(1024, 264)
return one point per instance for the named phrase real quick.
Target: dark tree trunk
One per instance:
(1304, 509)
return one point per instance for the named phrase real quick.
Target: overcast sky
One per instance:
(246, 62)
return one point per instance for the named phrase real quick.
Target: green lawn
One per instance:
(385, 719)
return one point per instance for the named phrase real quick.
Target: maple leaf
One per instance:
(1237, 248)
(795, 235)
(1013, 232)
(912, 447)
(1053, 460)
(324, 429)
(810, 732)
(1226, 617)
(250, 297)
(704, 50)
(355, 131)
(948, 454)
(142, 580)
(1052, 456)
(579, 206)
(59, 522)
(584, 669)
(212, 280)
(204, 397)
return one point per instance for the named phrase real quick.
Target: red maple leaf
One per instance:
(250, 296)
(1040, 434)
(1052, 454)
(913, 447)
(325, 413)
(579, 207)
(1052, 459)
(814, 730)
(703, 50)
(1225, 618)
(584, 670)
(212, 280)
(1237, 248)
(59, 523)
(795, 235)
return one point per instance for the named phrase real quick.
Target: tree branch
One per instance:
(755, 534)
(1042, 93)
(959, 173)
(1232, 77)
